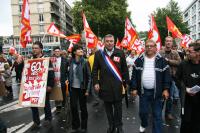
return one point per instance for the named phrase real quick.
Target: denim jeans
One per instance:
(174, 94)
(146, 101)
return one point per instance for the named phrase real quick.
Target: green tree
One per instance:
(173, 11)
(103, 16)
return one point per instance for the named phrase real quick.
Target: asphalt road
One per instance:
(19, 119)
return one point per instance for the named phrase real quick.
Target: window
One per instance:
(198, 15)
(41, 18)
(41, 28)
(20, 8)
(186, 15)
(194, 28)
(194, 37)
(193, 9)
(198, 26)
(194, 19)
(199, 4)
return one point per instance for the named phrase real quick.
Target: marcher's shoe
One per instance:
(58, 110)
(118, 130)
(35, 127)
(110, 130)
(83, 131)
(47, 123)
(142, 129)
(95, 104)
(175, 102)
(169, 117)
(74, 131)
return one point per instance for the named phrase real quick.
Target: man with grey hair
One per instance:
(111, 68)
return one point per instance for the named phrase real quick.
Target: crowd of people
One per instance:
(167, 76)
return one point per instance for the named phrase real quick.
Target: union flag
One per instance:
(153, 33)
(173, 29)
(74, 38)
(25, 35)
(91, 38)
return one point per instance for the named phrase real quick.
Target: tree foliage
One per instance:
(103, 16)
(173, 11)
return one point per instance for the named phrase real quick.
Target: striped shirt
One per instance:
(148, 76)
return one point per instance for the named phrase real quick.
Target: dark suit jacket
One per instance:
(64, 70)
(110, 87)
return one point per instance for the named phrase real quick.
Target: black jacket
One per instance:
(187, 76)
(110, 87)
(162, 75)
(64, 70)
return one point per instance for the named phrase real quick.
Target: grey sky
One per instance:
(140, 10)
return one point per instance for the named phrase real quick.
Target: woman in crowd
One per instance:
(79, 82)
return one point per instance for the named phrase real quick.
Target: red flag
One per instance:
(91, 38)
(153, 33)
(74, 38)
(130, 35)
(70, 47)
(53, 30)
(186, 40)
(172, 28)
(131, 40)
(118, 44)
(100, 45)
(138, 46)
(25, 24)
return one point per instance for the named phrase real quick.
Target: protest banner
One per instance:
(34, 83)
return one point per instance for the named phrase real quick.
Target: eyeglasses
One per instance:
(149, 46)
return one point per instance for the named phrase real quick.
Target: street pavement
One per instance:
(19, 119)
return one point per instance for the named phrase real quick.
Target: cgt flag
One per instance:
(153, 33)
(74, 38)
(130, 35)
(186, 40)
(25, 24)
(118, 44)
(172, 28)
(91, 38)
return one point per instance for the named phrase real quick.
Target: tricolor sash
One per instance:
(112, 67)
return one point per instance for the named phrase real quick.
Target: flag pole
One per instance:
(43, 37)
(168, 32)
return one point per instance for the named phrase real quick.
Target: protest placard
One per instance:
(34, 83)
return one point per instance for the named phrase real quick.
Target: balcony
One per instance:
(55, 2)
(55, 11)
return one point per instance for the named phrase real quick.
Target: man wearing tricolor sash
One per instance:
(113, 74)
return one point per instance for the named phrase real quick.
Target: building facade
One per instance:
(42, 13)
(191, 16)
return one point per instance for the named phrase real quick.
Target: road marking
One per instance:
(8, 105)
(25, 128)
(11, 108)
(12, 129)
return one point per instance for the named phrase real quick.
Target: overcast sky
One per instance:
(140, 9)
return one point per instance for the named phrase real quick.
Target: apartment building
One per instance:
(42, 13)
(191, 16)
